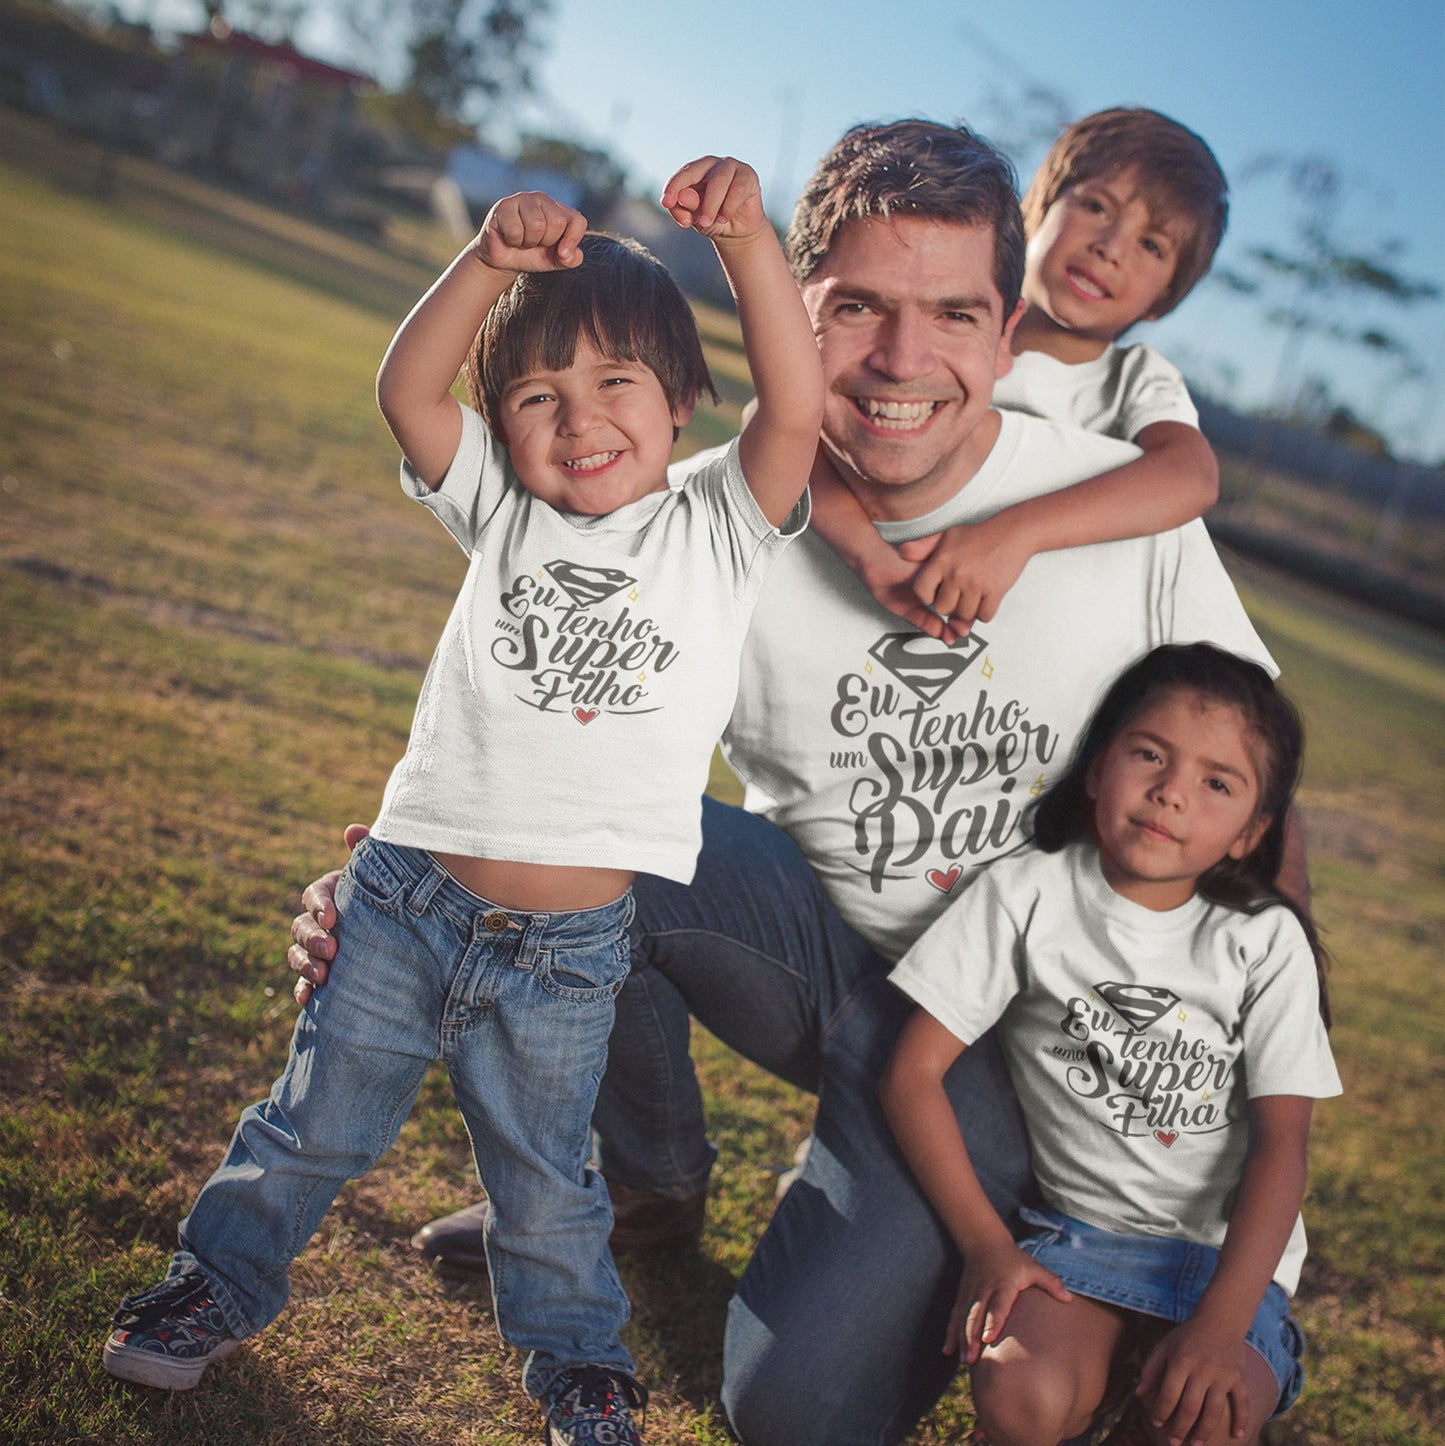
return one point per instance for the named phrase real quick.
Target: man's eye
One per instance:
(617, 381)
(965, 317)
(851, 308)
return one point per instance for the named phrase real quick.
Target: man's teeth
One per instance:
(590, 464)
(899, 415)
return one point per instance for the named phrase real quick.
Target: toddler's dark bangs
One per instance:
(621, 300)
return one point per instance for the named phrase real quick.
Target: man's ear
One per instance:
(1004, 358)
(1249, 838)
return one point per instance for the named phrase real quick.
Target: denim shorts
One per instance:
(1160, 1276)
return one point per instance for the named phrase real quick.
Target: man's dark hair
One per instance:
(911, 168)
(1178, 176)
(620, 298)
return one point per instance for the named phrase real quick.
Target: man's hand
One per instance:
(313, 938)
(1192, 1379)
(531, 232)
(993, 1278)
(968, 572)
(718, 197)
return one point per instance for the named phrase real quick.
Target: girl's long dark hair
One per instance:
(1065, 812)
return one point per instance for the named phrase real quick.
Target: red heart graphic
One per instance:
(941, 881)
(584, 715)
(1166, 1137)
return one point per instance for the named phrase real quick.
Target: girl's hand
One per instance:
(993, 1278)
(531, 232)
(718, 197)
(1192, 1379)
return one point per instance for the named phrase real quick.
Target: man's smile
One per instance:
(891, 416)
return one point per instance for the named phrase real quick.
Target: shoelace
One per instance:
(172, 1296)
(594, 1388)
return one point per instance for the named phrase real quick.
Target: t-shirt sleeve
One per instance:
(1194, 601)
(1152, 390)
(718, 484)
(473, 487)
(968, 964)
(1286, 1049)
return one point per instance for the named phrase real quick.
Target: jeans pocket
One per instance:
(370, 875)
(585, 972)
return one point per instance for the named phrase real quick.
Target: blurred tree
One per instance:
(463, 57)
(597, 171)
(1313, 276)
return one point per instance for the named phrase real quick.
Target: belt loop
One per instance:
(421, 896)
(529, 946)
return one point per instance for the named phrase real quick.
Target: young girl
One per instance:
(561, 744)
(1163, 1014)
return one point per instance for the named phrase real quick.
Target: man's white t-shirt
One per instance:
(571, 708)
(1135, 1039)
(901, 766)
(1118, 394)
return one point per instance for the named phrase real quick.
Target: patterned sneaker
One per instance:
(592, 1406)
(167, 1335)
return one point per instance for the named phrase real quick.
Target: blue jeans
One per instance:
(1161, 1276)
(520, 1007)
(835, 1334)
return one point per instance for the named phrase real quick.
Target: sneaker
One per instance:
(167, 1335)
(592, 1406)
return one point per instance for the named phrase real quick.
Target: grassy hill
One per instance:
(214, 614)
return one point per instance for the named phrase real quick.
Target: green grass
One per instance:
(214, 612)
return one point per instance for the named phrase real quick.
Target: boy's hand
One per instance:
(993, 1278)
(1192, 1379)
(969, 571)
(888, 573)
(718, 197)
(531, 232)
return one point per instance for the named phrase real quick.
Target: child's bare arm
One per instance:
(995, 1271)
(525, 232)
(974, 566)
(720, 197)
(1195, 1374)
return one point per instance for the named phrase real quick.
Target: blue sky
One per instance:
(775, 82)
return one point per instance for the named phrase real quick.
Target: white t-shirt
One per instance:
(900, 766)
(1135, 1039)
(1117, 394)
(589, 664)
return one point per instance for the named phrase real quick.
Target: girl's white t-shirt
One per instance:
(1135, 1039)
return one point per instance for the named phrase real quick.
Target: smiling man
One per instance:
(883, 768)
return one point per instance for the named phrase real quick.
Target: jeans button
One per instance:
(495, 922)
